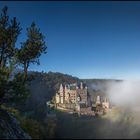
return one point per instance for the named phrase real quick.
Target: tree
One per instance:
(9, 31)
(13, 86)
(31, 49)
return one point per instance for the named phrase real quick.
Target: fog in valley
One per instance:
(122, 121)
(125, 99)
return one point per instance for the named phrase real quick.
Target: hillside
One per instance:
(45, 85)
(10, 127)
(42, 88)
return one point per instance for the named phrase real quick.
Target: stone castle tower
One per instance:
(105, 104)
(67, 94)
(98, 101)
(61, 91)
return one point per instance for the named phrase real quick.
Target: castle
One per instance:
(75, 97)
(101, 106)
(72, 94)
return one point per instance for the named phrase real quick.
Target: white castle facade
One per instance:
(71, 94)
(75, 97)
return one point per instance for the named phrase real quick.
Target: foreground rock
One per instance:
(10, 128)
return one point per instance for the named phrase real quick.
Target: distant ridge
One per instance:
(100, 79)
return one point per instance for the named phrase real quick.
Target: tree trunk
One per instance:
(4, 62)
(1, 61)
(25, 72)
(2, 58)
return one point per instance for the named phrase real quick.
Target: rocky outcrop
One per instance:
(10, 127)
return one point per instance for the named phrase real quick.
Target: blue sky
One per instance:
(85, 39)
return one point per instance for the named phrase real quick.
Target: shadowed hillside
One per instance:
(43, 88)
(10, 127)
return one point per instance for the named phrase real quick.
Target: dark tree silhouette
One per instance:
(9, 31)
(32, 48)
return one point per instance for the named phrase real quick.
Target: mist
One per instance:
(124, 93)
(125, 96)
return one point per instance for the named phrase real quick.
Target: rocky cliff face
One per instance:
(10, 128)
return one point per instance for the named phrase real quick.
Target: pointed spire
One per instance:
(65, 87)
(61, 88)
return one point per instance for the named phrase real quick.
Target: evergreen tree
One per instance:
(31, 49)
(9, 31)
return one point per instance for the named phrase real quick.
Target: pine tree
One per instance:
(31, 49)
(9, 31)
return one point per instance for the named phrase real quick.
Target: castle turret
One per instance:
(105, 104)
(98, 100)
(66, 94)
(81, 85)
(57, 98)
(61, 90)
(65, 88)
